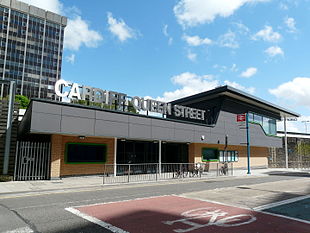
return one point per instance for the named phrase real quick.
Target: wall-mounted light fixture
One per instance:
(123, 139)
(82, 137)
(202, 137)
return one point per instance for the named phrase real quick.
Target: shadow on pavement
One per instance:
(285, 173)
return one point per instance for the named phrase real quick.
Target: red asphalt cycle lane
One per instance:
(178, 214)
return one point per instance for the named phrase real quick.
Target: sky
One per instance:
(173, 48)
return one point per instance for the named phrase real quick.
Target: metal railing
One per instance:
(127, 173)
(291, 164)
(32, 161)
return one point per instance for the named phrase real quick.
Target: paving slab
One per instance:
(252, 196)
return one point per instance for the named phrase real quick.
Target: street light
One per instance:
(305, 124)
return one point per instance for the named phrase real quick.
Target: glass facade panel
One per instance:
(268, 124)
(258, 119)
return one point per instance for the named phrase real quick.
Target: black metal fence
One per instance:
(127, 173)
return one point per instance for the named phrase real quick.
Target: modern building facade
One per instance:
(31, 47)
(84, 138)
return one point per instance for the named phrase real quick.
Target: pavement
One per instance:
(84, 182)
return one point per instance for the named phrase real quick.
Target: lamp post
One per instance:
(305, 124)
(6, 155)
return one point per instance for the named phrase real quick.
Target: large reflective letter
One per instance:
(59, 86)
(75, 91)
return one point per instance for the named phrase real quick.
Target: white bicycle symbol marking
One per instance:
(211, 214)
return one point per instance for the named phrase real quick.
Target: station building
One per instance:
(83, 138)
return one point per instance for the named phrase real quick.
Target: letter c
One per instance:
(58, 88)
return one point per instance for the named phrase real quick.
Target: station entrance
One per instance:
(135, 152)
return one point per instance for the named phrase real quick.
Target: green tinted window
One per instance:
(210, 154)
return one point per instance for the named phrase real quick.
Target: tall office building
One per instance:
(31, 48)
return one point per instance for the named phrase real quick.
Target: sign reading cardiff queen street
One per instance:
(75, 91)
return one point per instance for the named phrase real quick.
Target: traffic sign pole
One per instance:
(248, 142)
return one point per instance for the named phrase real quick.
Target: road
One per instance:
(41, 212)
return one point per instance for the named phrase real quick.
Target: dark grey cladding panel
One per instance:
(45, 123)
(78, 112)
(46, 108)
(215, 138)
(161, 123)
(47, 118)
(77, 125)
(140, 131)
(183, 135)
(183, 126)
(109, 116)
(111, 129)
(198, 136)
(202, 128)
(163, 133)
(258, 137)
(139, 120)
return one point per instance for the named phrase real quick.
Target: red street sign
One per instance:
(241, 117)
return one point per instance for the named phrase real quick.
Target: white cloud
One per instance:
(291, 24)
(267, 34)
(249, 72)
(220, 67)
(165, 32)
(291, 126)
(70, 58)
(250, 90)
(190, 84)
(50, 5)
(296, 91)
(77, 33)
(234, 68)
(194, 12)
(191, 56)
(120, 29)
(196, 40)
(274, 50)
(228, 40)
(242, 29)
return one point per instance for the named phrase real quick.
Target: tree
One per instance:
(22, 100)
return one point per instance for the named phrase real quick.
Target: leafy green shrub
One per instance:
(5, 178)
(22, 100)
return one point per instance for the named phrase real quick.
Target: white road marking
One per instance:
(254, 209)
(103, 224)
(20, 230)
(134, 199)
(283, 216)
(275, 204)
(210, 215)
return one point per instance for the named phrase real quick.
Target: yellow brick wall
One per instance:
(258, 154)
(58, 166)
